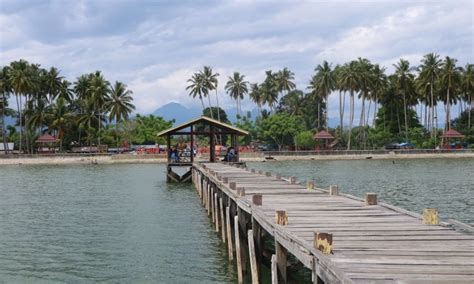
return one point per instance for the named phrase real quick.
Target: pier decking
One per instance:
(359, 241)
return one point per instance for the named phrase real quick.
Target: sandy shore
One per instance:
(136, 159)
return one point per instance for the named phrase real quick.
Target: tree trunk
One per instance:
(406, 118)
(448, 107)
(375, 111)
(319, 114)
(210, 106)
(20, 120)
(469, 113)
(433, 131)
(340, 113)
(351, 119)
(4, 135)
(326, 120)
(368, 114)
(218, 108)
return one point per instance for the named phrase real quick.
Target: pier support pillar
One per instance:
(257, 236)
(281, 257)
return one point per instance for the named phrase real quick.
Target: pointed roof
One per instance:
(46, 138)
(323, 134)
(205, 120)
(452, 134)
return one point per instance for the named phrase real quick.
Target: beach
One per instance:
(246, 157)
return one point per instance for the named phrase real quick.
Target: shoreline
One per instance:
(133, 159)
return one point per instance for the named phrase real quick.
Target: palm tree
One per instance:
(428, 75)
(209, 83)
(237, 88)
(256, 96)
(349, 81)
(342, 96)
(450, 80)
(59, 117)
(99, 89)
(468, 89)
(119, 105)
(322, 84)
(54, 83)
(379, 86)
(404, 84)
(5, 91)
(284, 80)
(269, 90)
(195, 88)
(20, 79)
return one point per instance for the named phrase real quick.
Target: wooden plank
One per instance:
(222, 222)
(281, 256)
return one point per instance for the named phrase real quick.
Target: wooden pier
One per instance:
(338, 237)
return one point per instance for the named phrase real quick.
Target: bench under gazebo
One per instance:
(202, 126)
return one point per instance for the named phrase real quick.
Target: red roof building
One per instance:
(321, 135)
(46, 139)
(452, 134)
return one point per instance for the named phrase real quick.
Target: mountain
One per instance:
(178, 112)
(182, 114)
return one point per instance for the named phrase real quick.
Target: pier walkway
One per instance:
(340, 238)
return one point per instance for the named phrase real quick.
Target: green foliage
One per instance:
(281, 128)
(144, 129)
(247, 124)
(305, 141)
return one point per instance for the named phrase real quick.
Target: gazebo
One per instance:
(325, 136)
(46, 141)
(451, 133)
(202, 126)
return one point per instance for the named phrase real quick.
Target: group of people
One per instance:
(175, 153)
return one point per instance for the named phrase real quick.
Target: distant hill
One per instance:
(182, 114)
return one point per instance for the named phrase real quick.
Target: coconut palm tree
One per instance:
(53, 83)
(379, 86)
(256, 96)
(195, 88)
(284, 80)
(5, 92)
(209, 83)
(237, 88)
(405, 86)
(450, 79)
(59, 117)
(21, 82)
(322, 84)
(429, 72)
(269, 90)
(349, 81)
(468, 89)
(99, 89)
(119, 105)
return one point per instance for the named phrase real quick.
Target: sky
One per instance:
(154, 46)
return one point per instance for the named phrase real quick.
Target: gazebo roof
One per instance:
(321, 135)
(452, 134)
(46, 138)
(205, 120)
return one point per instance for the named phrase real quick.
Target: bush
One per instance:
(304, 140)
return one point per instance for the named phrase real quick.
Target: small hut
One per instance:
(450, 134)
(324, 136)
(202, 126)
(47, 144)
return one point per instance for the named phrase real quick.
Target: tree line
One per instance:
(400, 106)
(77, 112)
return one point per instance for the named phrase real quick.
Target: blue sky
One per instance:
(155, 46)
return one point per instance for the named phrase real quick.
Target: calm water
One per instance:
(123, 223)
(414, 184)
(119, 223)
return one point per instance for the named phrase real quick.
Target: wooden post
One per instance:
(216, 212)
(292, 180)
(278, 176)
(221, 205)
(253, 259)
(257, 199)
(232, 185)
(274, 270)
(257, 236)
(192, 144)
(281, 217)
(333, 190)
(370, 198)
(211, 203)
(237, 250)
(168, 145)
(281, 257)
(323, 242)
(268, 174)
(229, 234)
(225, 180)
(430, 216)
(260, 172)
(252, 170)
(240, 191)
(310, 184)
